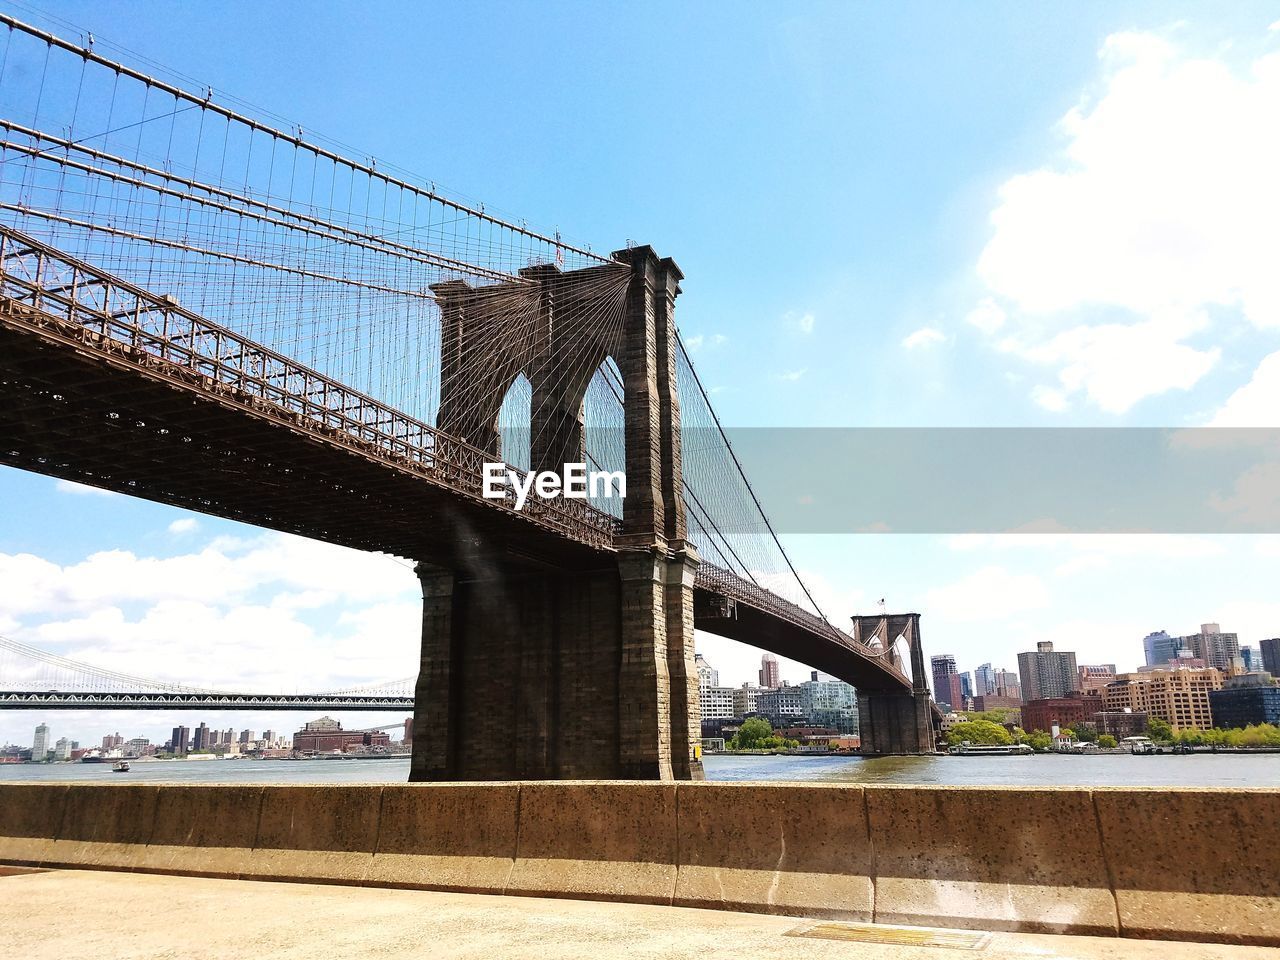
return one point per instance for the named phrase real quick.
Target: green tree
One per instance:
(978, 731)
(1040, 741)
(1159, 730)
(1106, 741)
(752, 734)
(1086, 734)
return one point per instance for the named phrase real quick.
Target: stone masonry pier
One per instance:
(1151, 863)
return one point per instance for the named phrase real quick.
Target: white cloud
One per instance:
(991, 593)
(924, 337)
(1052, 400)
(1161, 205)
(988, 316)
(1257, 403)
(699, 340)
(184, 525)
(792, 375)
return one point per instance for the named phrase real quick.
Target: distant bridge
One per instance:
(66, 684)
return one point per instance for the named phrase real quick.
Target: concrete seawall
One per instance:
(1174, 864)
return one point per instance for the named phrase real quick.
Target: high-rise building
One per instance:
(1250, 699)
(1271, 656)
(708, 676)
(715, 701)
(138, 747)
(966, 685)
(1251, 657)
(1159, 648)
(1008, 685)
(1046, 673)
(984, 681)
(62, 749)
(770, 672)
(1180, 697)
(112, 741)
(246, 736)
(40, 745)
(746, 700)
(1095, 676)
(202, 738)
(1215, 648)
(830, 703)
(181, 740)
(781, 704)
(946, 681)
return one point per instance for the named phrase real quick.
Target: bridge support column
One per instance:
(895, 723)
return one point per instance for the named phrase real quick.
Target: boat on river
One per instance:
(968, 749)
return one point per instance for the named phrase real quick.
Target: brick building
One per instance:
(327, 736)
(1179, 697)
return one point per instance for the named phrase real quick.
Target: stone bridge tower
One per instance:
(538, 667)
(896, 723)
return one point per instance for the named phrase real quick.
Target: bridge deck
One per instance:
(106, 384)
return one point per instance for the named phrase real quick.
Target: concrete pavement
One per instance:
(74, 914)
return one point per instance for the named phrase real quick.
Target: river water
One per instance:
(1116, 770)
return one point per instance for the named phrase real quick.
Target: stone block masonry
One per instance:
(1197, 865)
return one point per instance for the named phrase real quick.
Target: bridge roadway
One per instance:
(106, 384)
(159, 700)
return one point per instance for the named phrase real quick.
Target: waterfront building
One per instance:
(202, 739)
(40, 745)
(1248, 699)
(1217, 649)
(138, 747)
(1095, 676)
(247, 737)
(112, 741)
(1271, 656)
(1180, 697)
(1047, 674)
(62, 749)
(716, 702)
(1159, 648)
(327, 736)
(1120, 723)
(1046, 713)
(782, 705)
(770, 672)
(180, 741)
(946, 682)
(830, 703)
(746, 700)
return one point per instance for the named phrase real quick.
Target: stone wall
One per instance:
(1163, 863)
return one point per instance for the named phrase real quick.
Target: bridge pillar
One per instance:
(528, 671)
(896, 722)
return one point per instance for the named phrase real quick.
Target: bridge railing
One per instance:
(114, 317)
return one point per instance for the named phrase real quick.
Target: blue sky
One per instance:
(906, 215)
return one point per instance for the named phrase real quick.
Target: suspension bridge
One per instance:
(31, 679)
(206, 306)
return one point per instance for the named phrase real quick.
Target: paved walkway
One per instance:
(71, 914)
